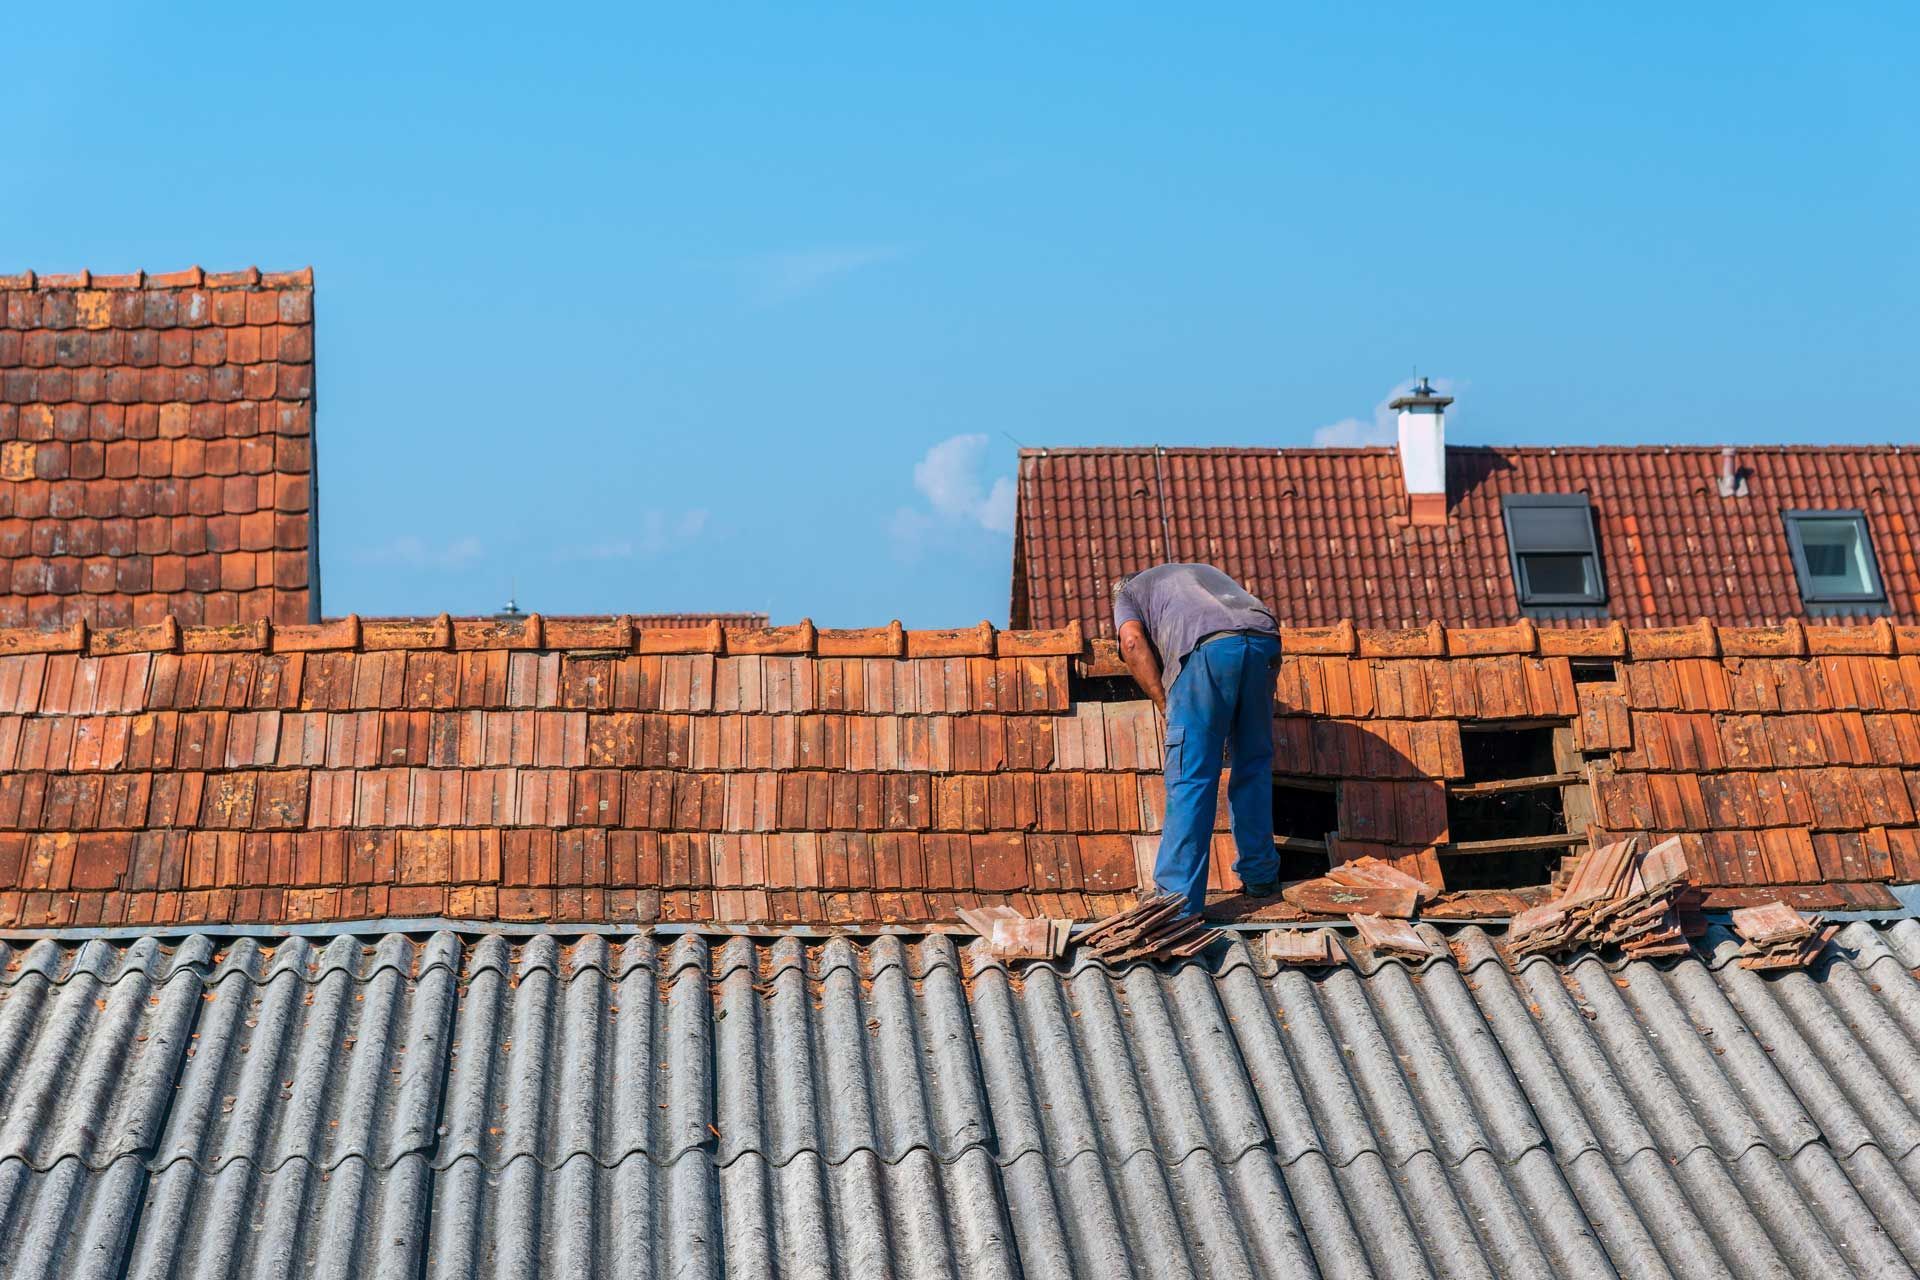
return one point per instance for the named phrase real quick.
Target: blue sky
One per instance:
(641, 309)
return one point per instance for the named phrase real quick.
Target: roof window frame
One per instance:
(1835, 601)
(1534, 600)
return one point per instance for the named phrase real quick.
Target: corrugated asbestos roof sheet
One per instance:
(472, 1106)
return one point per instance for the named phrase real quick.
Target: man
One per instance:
(1206, 651)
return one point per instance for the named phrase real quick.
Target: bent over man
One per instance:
(1206, 651)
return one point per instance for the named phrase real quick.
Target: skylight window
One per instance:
(1833, 558)
(1555, 557)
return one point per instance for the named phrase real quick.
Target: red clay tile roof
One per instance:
(1322, 534)
(156, 448)
(557, 769)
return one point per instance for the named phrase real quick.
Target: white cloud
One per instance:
(411, 552)
(1352, 433)
(1360, 433)
(783, 277)
(951, 475)
(996, 513)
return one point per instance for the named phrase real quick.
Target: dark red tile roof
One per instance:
(1323, 534)
(561, 769)
(156, 448)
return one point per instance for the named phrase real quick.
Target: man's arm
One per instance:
(1137, 651)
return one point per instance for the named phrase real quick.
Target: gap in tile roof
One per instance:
(1507, 817)
(1496, 752)
(1306, 815)
(1103, 688)
(1594, 670)
(1511, 869)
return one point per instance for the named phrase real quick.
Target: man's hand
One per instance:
(1137, 651)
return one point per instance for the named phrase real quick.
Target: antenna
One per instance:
(512, 608)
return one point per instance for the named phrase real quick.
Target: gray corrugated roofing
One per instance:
(479, 1106)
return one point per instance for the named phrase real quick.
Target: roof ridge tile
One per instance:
(1701, 639)
(251, 277)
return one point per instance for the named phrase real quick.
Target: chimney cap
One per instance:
(1424, 394)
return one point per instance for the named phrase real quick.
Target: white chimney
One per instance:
(1733, 480)
(1423, 451)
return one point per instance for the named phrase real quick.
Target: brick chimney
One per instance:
(1423, 451)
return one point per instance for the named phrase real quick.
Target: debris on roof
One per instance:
(1775, 936)
(1158, 927)
(1367, 884)
(1012, 936)
(1393, 938)
(1306, 948)
(1616, 896)
(1325, 896)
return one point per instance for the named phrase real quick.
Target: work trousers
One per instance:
(1223, 694)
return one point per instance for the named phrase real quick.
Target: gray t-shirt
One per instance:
(1179, 604)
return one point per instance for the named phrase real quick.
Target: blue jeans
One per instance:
(1224, 693)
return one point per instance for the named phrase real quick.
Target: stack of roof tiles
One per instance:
(1323, 534)
(1775, 936)
(1615, 897)
(554, 770)
(156, 448)
(1161, 926)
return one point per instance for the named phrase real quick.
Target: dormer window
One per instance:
(1833, 559)
(1555, 557)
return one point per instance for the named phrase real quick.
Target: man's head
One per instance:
(1120, 584)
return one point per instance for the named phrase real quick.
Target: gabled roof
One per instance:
(553, 769)
(483, 1105)
(156, 448)
(1323, 534)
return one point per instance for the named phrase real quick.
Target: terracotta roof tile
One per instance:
(1323, 534)
(259, 772)
(156, 448)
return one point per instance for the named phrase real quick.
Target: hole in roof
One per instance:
(1103, 688)
(1509, 815)
(1520, 754)
(1595, 670)
(1516, 869)
(1304, 811)
(1490, 754)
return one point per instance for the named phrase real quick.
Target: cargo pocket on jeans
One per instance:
(1176, 734)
